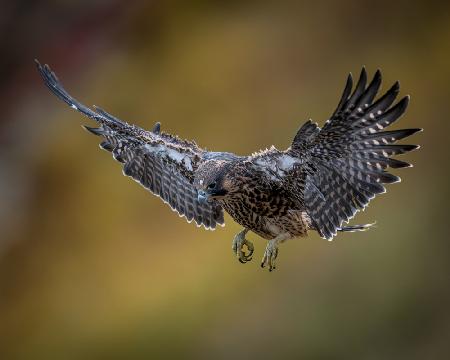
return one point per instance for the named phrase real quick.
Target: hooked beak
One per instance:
(202, 196)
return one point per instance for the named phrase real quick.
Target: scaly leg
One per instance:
(271, 252)
(238, 244)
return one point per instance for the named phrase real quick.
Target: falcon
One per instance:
(319, 183)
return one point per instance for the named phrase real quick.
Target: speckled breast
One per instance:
(295, 222)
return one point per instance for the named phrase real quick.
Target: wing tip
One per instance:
(405, 99)
(350, 79)
(93, 130)
(415, 130)
(395, 88)
(38, 64)
(363, 74)
(377, 76)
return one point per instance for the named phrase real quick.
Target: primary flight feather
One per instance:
(319, 183)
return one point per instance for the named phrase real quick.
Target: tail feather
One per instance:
(354, 228)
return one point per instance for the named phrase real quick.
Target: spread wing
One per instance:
(162, 163)
(343, 165)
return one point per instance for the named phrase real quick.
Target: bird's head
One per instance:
(213, 180)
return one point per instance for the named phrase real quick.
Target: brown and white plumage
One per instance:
(319, 183)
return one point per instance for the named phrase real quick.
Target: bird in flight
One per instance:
(319, 183)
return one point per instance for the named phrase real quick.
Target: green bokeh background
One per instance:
(94, 267)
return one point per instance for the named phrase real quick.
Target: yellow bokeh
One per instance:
(92, 266)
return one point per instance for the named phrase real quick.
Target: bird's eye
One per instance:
(212, 185)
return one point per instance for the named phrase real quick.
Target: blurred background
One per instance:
(94, 267)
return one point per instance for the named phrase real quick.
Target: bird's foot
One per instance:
(238, 247)
(271, 252)
(270, 255)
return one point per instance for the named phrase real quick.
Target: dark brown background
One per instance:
(92, 266)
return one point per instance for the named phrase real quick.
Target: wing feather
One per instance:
(160, 162)
(345, 162)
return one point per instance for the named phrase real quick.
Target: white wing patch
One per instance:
(287, 162)
(179, 157)
(277, 166)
